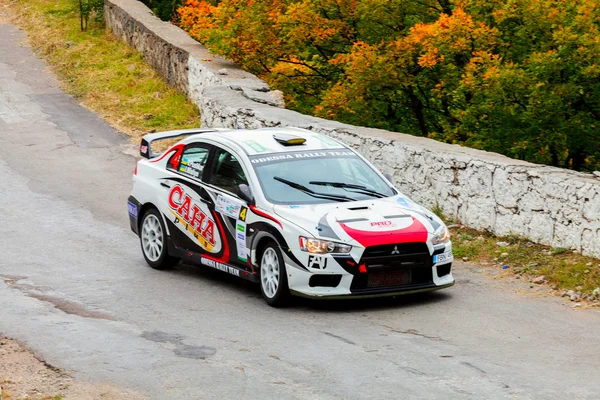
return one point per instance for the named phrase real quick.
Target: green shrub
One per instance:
(163, 9)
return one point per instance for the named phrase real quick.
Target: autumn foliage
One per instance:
(519, 77)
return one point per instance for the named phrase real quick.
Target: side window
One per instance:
(191, 161)
(227, 173)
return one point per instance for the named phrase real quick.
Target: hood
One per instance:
(369, 222)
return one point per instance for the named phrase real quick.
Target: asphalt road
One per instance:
(75, 288)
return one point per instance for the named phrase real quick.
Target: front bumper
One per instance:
(377, 293)
(384, 276)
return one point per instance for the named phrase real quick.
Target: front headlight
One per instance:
(442, 235)
(317, 246)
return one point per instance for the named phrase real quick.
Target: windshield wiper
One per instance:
(310, 192)
(343, 185)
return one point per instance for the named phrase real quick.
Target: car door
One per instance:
(187, 205)
(225, 175)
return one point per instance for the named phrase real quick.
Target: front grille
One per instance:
(396, 249)
(403, 265)
(393, 256)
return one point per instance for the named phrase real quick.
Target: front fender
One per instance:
(261, 232)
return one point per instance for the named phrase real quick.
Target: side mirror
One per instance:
(245, 193)
(388, 176)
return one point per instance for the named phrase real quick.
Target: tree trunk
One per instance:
(417, 107)
(578, 159)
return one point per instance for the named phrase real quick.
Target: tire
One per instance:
(273, 276)
(153, 240)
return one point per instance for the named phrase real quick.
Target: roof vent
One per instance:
(289, 140)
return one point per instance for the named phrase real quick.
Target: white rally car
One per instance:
(298, 212)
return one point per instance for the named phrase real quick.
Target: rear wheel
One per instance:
(153, 239)
(273, 276)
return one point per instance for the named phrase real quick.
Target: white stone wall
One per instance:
(483, 190)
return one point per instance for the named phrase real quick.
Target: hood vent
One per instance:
(358, 208)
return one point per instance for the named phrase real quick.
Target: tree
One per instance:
(163, 9)
(519, 77)
(88, 8)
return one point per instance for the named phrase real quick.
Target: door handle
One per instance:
(164, 184)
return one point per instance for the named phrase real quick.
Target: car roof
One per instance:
(262, 141)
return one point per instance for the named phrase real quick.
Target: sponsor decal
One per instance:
(294, 207)
(388, 224)
(317, 262)
(406, 230)
(228, 206)
(257, 147)
(240, 239)
(220, 266)
(402, 201)
(144, 149)
(133, 210)
(405, 203)
(195, 220)
(382, 223)
(301, 155)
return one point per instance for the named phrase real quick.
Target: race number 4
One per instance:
(243, 212)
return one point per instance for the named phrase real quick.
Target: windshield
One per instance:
(318, 177)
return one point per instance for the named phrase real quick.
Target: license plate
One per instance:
(394, 278)
(444, 257)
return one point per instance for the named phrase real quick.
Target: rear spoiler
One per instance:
(147, 140)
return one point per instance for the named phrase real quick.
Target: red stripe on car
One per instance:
(225, 257)
(178, 147)
(263, 214)
(416, 232)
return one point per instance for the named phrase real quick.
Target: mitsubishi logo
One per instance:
(395, 251)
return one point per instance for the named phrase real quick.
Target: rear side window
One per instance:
(227, 172)
(192, 160)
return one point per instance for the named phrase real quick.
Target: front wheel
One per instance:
(273, 276)
(153, 238)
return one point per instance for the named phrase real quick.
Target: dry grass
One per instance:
(562, 268)
(104, 74)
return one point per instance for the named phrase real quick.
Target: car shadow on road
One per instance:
(378, 303)
(252, 291)
(219, 278)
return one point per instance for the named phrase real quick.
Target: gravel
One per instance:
(575, 297)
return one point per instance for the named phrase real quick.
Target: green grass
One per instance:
(561, 267)
(103, 73)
